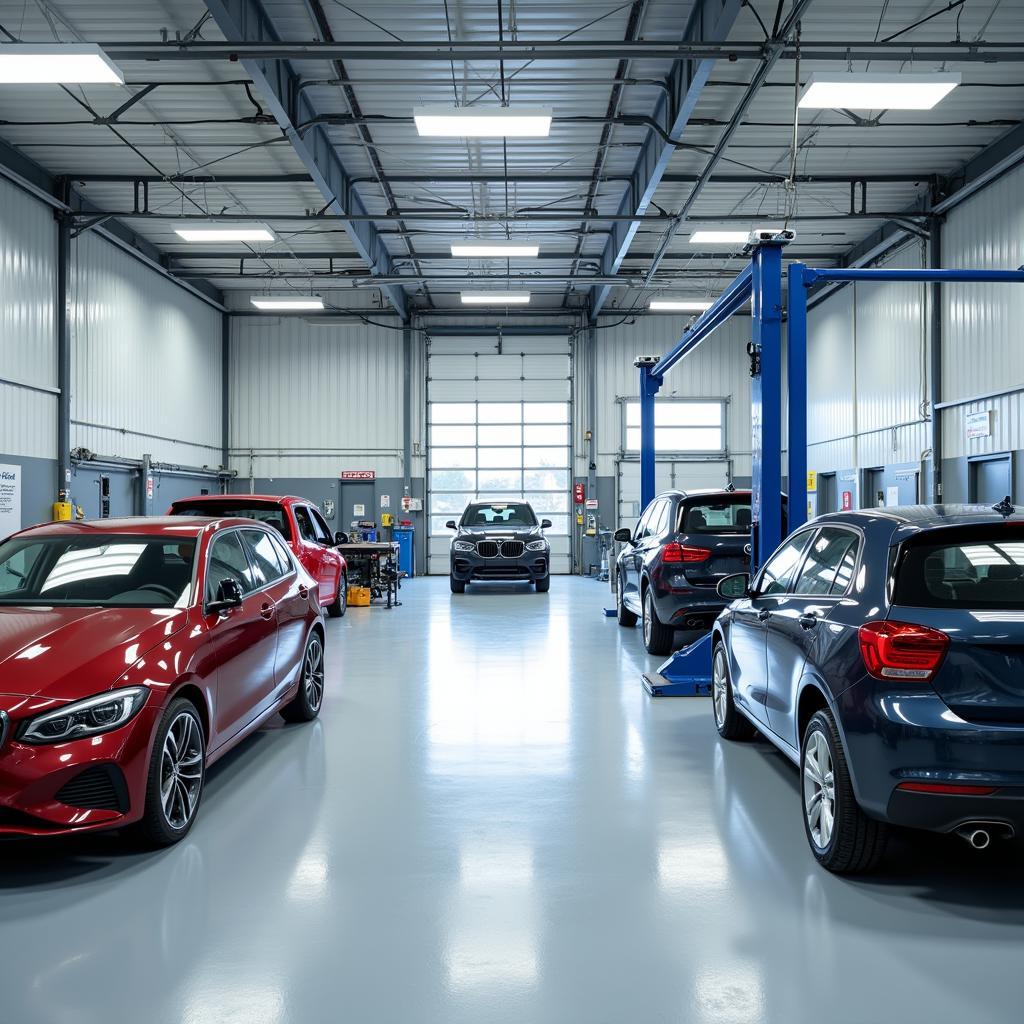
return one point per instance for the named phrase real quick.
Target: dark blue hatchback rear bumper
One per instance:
(909, 735)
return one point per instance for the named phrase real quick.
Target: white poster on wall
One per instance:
(10, 500)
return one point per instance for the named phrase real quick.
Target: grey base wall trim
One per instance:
(345, 495)
(38, 487)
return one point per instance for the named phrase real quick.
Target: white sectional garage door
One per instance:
(499, 427)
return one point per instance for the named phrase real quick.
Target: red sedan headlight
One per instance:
(102, 713)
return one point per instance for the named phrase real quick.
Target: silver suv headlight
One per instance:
(101, 713)
(463, 545)
(536, 545)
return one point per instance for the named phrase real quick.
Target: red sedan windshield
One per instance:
(118, 570)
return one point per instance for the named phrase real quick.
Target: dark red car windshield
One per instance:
(262, 511)
(116, 570)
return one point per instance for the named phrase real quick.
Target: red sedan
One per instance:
(136, 652)
(297, 520)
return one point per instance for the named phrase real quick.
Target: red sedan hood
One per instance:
(70, 653)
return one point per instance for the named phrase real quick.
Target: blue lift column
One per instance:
(687, 672)
(765, 351)
(650, 385)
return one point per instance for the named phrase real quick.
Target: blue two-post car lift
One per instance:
(687, 672)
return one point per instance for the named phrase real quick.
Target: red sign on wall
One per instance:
(847, 500)
(358, 474)
(579, 494)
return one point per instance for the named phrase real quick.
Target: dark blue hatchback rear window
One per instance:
(963, 567)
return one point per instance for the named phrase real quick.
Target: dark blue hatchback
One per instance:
(883, 652)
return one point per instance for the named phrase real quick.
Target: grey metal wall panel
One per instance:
(830, 370)
(867, 363)
(146, 364)
(28, 345)
(311, 399)
(982, 350)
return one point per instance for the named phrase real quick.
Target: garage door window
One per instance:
(501, 451)
(680, 426)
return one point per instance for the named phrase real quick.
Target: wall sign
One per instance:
(358, 474)
(358, 510)
(591, 504)
(979, 424)
(385, 501)
(10, 500)
(579, 494)
(812, 480)
(892, 496)
(847, 500)
(412, 504)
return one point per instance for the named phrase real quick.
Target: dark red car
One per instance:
(301, 524)
(136, 652)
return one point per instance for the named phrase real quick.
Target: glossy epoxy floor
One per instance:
(492, 823)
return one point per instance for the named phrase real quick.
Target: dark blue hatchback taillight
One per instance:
(902, 650)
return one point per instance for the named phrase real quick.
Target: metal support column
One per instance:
(407, 411)
(796, 378)
(64, 224)
(935, 359)
(225, 390)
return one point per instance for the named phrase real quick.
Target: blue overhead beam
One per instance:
(711, 21)
(246, 21)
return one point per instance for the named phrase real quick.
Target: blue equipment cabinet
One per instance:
(406, 559)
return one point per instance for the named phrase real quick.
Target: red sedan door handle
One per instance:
(266, 611)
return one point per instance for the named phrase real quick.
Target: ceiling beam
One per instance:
(488, 177)
(246, 48)
(524, 217)
(712, 19)
(279, 84)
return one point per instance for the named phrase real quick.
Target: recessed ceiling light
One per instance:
(851, 90)
(57, 64)
(495, 298)
(723, 237)
(226, 233)
(287, 302)
(679, 305)
(481, 250)
(481, 122)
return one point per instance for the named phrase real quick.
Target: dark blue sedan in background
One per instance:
(883, 652)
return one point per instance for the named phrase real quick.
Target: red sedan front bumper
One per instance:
(32, 779)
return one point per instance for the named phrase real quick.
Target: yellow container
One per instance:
(62, 511)
(359, 597)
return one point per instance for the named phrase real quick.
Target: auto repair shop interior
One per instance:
(511, 511)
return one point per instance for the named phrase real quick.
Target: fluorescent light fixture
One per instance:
(851, 90)
(495, 298)
(57, 64)
(226, 233)
(287, 302)
(723, 237)
(679, 305)
(482, 122)
(481, 250)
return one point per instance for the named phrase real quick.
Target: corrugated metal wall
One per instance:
(309, 399)
(146, 361)
(982, 350)
(28, 346)
(868, 373)
(717, 369)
